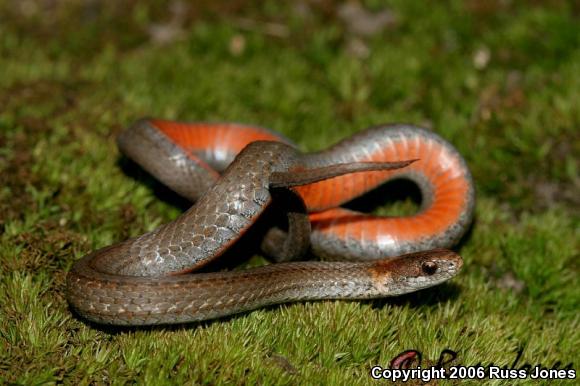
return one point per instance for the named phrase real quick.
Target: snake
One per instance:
(234, 174)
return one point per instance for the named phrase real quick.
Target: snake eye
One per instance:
(429, 267)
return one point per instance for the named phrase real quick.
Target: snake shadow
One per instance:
(425, 298)
(160, 191)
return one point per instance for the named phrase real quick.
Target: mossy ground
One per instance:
(498, 79)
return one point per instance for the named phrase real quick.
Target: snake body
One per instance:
(146, 280)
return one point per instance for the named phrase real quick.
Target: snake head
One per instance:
(415, 271)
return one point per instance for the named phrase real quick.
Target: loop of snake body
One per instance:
(147, 280)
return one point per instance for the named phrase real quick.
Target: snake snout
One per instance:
(415, 271)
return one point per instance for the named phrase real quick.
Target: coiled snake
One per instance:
(147, 280)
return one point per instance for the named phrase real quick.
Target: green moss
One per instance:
(73, 76)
